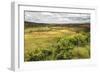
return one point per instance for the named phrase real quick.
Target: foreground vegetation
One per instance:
(56, 42)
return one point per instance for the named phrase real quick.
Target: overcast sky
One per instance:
(56, 17)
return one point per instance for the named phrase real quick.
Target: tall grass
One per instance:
(72, 47)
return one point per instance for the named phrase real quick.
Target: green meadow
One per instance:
(43, 42)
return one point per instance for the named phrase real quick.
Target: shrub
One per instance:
(35, 55)
(65, 46)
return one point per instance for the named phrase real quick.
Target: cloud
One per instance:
(56, 17)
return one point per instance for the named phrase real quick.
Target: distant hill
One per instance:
(33, 24)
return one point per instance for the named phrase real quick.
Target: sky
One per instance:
(56, 17)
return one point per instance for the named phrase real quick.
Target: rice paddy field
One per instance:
(45, 42)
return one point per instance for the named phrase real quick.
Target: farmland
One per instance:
(56, 41)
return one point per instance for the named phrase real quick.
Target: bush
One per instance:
(65, 45)
(35, 55)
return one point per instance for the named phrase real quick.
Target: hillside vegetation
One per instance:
(56, 41)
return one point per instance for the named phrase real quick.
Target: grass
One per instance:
(50, 42)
